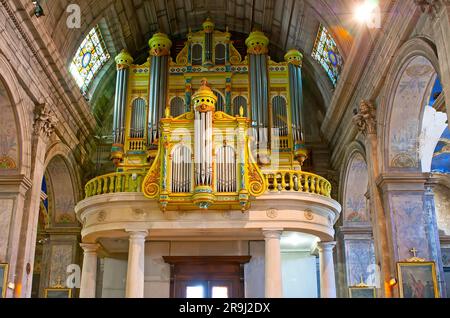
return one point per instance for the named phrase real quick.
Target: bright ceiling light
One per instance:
(364, 13)
(293, 240)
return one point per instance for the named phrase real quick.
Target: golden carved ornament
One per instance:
(150, 186)
(182, 57)
(235, 56)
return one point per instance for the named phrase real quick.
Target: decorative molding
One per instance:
(90, 248)
(363, 229)
(272, 213)
(431, 7)
(16, 180)
(139, 214)
(101, 216)
(272, 233)
(45, 120)
(326, 246)
(365, 118)
(309, 215)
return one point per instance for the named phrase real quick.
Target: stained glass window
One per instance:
(327, 54)
(89, 59)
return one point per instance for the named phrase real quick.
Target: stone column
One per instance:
(273, 282)
(410, 217)
(365, 121)
(89, 271)
(13, 190)
(327, 278)
(433, 237)
(135, 271)
(44, 126)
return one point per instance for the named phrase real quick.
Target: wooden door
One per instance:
(207, 277)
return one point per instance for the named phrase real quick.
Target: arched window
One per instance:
(220, 105)
(220, 54)
(197, 54)
(327, 54)
(181, 169)
(238, 102)
(279, 116)
(225, 169)
(91, 56)
(138, 118)
(176, 106)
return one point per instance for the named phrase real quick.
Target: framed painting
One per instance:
(58, 293)
(362, 292)
(3, 279)
(417, 280)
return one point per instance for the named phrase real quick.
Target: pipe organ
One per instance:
(206, 125)
(257, 51)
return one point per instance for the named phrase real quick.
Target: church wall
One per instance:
(114, 278)
(33, 74)
(299, 275)
(442, 202)
(254, 271)
(6, 211)
(157, 272)
(299, 268)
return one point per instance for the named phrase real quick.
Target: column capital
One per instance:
(137, 234)
(272, 233)
(326, 246)
(89, 247)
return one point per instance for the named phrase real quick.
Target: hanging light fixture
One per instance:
(38, 11)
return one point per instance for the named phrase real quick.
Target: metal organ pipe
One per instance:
(160, 46)
(181, 169)
(124, 105)
(204, 103)
(257, 44)
(196, 147)
(294, 59)
(116, 108)
(226, 169)
(265, 96)
(151, 103)
(123, 63)
(208, 47)
(119, 110)
(208, 27)
(253, 97)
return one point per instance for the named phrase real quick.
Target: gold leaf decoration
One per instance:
(150, 186)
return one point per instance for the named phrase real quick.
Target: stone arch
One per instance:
(61, 194)
(17, 119)
(63, 152)
(410, 83)
(354, 186)
(57, 244)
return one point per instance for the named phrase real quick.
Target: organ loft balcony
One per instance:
(208, 144)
